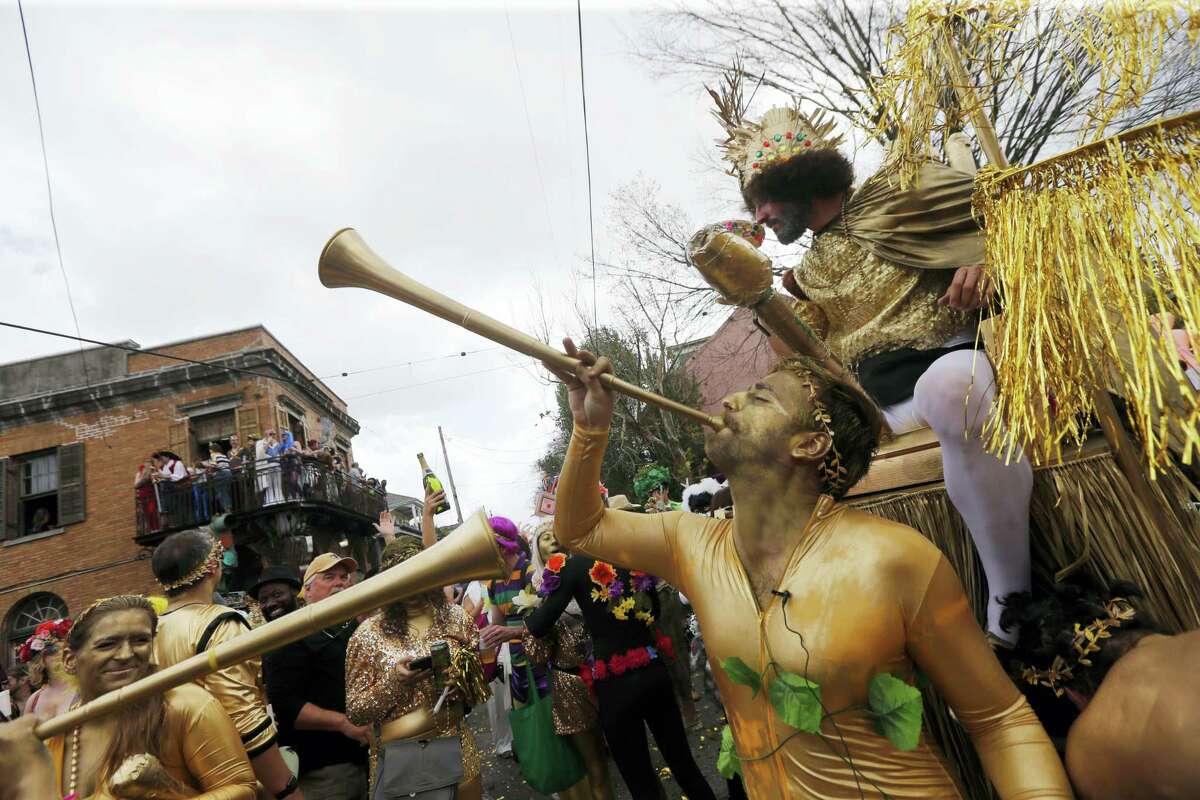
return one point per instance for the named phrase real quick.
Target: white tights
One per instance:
(954, 397)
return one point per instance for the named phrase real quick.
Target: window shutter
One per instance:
(70, 484)
(282, 425)
(177, 440)
(10, 504)
(247, 423)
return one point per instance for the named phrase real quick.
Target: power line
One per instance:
(439, 380)
(587, 149)
(460, 354)
(37, 106)
(537, 163)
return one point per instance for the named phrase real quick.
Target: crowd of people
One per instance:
(265, 471)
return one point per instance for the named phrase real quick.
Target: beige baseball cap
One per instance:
(326, 562)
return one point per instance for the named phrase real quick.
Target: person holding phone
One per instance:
(410, 673)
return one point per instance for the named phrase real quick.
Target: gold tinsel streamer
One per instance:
(1084, 248)
(1123, 40)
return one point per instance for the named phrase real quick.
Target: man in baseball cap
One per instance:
(328, 574)
(306, 682)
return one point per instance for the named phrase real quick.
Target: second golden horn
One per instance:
(469, 552)
(347, 261)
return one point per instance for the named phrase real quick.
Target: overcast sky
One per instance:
(201, 155)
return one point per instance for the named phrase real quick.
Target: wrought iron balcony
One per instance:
(255, 494)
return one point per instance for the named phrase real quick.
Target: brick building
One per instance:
(74, 428)
(736, 355)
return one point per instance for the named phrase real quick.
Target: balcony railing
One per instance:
(279, 482)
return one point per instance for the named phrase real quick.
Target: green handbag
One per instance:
(548, 761)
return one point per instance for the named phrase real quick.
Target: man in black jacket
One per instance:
(306, 684)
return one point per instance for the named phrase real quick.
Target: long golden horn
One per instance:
(347, 261)
(468, 553)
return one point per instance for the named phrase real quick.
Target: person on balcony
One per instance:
(171, 482)
(147, 496)
(893, 283)
(187, 565)
(266, 469)
(221, 478)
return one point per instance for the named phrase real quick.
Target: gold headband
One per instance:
(831, 467)
(208, 566)
(1086, 641)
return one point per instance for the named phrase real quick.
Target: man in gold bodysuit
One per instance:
(799, 583)
(888, 282)
(188, 567)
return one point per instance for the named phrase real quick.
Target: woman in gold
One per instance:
(179, 744)
(399, 703)
(565, 651)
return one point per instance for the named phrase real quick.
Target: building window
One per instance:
(26, 616)
(41, 491)
(207, 430)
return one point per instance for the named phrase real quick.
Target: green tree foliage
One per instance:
(640, 433)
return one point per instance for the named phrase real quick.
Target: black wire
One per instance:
(846, 757)
(37, 106)
(587, 150)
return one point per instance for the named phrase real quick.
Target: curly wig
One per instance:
(801, 179)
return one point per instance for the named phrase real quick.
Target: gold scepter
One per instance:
(347, 261)
(468, 553)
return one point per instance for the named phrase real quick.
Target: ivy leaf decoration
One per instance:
(740, 672)
(897, 709)
(797, 700)
(728, 763)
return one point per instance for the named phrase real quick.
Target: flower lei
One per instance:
(623, 598)
(51, 629)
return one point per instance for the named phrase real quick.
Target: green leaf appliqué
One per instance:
(797, 700)
(728, 763)
(897, 708)
(739, 672)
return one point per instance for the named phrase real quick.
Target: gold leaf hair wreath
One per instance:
(1085, 642)
(208, 566)
(832, 472)
(783, 133)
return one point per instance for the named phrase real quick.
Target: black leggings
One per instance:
(646, 696)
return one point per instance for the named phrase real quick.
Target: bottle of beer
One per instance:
(432, 484)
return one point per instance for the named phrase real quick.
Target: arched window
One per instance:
(24, 618)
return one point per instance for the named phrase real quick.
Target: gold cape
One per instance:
(869, 596)
(929, 225)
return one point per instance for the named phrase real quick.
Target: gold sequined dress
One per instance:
(373, 698)
(564, 651)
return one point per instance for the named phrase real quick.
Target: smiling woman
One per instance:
(181, 743)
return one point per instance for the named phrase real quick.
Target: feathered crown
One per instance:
(782, 134)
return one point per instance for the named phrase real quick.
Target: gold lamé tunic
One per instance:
(869, 596)
(199, 748)
(863, 305)
(197, 627)
(565, 650)
(374, 698)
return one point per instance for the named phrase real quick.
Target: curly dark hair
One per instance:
(1045, 628)
(801, 179)
(856, 422)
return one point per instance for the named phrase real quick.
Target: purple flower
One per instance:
(616, 589)
(643, 582)
(550, 582)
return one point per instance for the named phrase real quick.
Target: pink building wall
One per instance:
(735, 356)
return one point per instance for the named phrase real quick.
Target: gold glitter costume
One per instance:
(195, 628)
(200, 749)
(873, 276)
(564, 650)
(869, 596)
(373, 699)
